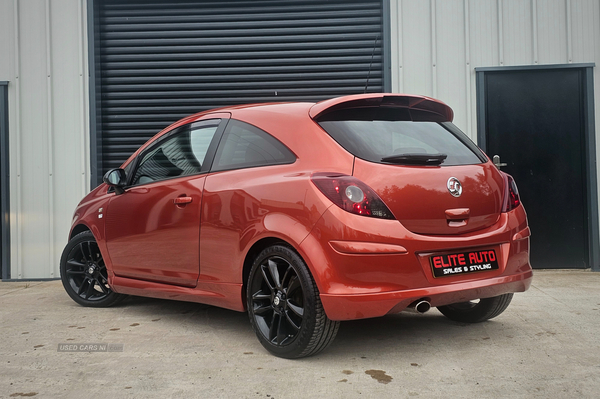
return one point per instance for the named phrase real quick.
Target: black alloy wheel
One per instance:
(83, 273)
(284, 307)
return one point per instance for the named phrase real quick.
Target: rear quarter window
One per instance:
(246, 146)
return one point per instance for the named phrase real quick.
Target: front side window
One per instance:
(245, 146)
(181, 154)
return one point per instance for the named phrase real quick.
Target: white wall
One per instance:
(437, 44)
(43, 57)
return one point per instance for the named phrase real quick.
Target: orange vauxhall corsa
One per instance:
(305, 215)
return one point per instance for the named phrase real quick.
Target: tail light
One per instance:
(351, 195)
(511, 194)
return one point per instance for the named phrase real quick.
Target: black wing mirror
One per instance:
(117, 179)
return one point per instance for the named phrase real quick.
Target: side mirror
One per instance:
(117, 179)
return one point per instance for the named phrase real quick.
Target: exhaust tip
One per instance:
(421, 306)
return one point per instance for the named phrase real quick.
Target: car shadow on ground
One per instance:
(404, 332)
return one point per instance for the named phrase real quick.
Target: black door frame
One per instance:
(4, 184)
(590, 140)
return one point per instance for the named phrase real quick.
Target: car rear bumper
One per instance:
(368, 267)
(362, 306)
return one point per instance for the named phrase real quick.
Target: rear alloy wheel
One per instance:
(476, 311)
(284, 307)
(83, 273)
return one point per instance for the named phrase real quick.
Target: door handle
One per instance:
(496, 160)
(182, 200)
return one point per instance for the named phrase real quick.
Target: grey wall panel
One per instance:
(160, 61)
(585, 32)
(451, 69)
(69, 153)
(484, 46)
(550, 35)
(516, 32)
(34, 144)
(7, 39)
(416, 32)
(483, 28)
(42, 58)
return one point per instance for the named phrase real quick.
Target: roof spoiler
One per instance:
(440, 111)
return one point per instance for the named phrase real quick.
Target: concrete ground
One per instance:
(545, 345)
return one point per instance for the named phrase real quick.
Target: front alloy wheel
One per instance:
(83, 273)
(284, 307)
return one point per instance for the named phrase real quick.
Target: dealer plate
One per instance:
(463, 262)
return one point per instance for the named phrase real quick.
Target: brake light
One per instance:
(352, 195)
(511, 194)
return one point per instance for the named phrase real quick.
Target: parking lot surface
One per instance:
(545, 345)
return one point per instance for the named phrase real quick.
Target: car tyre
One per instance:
(83, 273)
(475, 312)
(284, 306)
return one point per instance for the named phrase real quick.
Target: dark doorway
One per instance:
(4, 184)
(537, 121)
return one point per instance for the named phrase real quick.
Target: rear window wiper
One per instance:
(415, 159)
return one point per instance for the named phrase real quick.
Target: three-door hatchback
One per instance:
(304, 215)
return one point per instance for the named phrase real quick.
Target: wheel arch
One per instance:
(78, 229)
(83, 271)
(251, 255)
(257, 248)
(81, 227)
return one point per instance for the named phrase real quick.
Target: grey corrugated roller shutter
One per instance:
(158, 61)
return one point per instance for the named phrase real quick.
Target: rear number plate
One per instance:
(463, 262)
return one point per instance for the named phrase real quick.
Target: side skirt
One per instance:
(228, 296)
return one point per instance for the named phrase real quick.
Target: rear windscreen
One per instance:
(382, 140)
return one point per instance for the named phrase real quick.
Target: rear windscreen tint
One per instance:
(374, 140)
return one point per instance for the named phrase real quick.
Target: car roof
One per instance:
(252, 112)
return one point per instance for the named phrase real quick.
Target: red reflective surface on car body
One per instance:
(195, 238)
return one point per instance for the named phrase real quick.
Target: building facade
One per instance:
(84, 82)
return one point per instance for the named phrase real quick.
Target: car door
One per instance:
(153, 228)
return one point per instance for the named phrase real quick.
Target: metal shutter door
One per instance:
(157, 61)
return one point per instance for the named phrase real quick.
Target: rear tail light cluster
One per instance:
(511, 194)
(351, 195)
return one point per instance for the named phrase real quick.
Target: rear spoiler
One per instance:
(437, 110)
